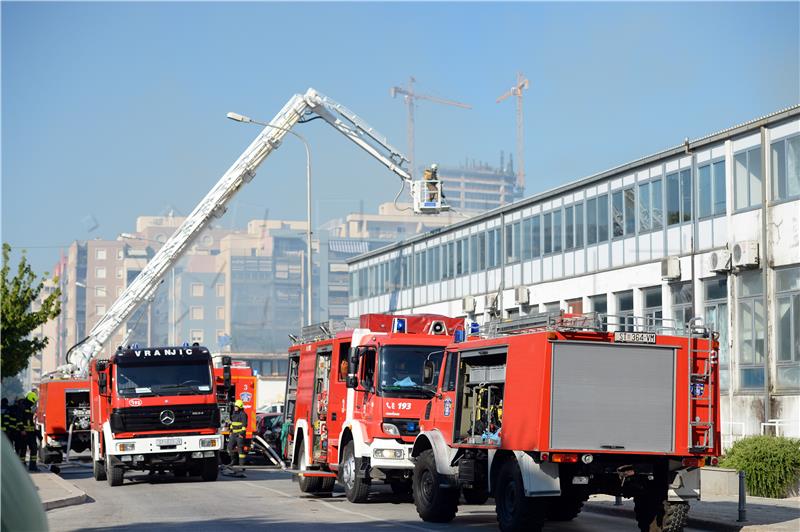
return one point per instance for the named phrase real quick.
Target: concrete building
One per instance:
(479, 187)
(709, 228)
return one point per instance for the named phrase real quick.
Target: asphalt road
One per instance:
(264, 498)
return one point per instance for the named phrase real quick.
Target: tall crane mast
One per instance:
(410, 97)
(516, 90)
(213, 205)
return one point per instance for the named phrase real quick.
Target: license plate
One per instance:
(580, 480)
(169, 441)
(635, 337)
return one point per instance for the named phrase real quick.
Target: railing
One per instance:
(325, 330)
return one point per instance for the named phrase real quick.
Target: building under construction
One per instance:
(477, 186)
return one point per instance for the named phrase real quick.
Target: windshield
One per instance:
(401, 372)
(187, 378)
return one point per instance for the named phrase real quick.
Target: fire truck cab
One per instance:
(547, 410)
(355, 398)
(154, 409)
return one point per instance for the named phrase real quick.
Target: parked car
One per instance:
(268, 426)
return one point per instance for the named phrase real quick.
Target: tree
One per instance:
(19, 316)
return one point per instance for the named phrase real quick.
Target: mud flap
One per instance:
(685, 486)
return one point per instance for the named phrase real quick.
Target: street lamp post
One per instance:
(309, 264)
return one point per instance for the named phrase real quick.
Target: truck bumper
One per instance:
(164, 445)
(389, 454)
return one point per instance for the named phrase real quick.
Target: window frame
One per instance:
(794, 328)
(749, 206)
(773, 177)
(752, 300)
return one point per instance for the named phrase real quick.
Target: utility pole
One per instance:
(516, 90)
(410, 96)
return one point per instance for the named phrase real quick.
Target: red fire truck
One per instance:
(62, 418)
(354, 399)
(154, 409)
(243, 385)
(547, 410)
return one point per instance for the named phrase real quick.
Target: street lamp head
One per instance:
(128, 236)
(239, 118)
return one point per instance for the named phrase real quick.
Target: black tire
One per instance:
(114, 474)
(356, 488)
(434, 503)
(654, 514)
(515, 511)
(564, 508)
(98, 470)
(210, 470)
(676, 516)
(475, 495)
(326, 485)
(307, 484)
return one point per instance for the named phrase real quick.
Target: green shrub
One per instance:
(771, 464)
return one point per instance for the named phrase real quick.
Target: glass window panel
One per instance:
(569, 229)
(778, 164)
(686, 195)
(537, 236)
(557, 230)
(464, 255)
(625, 301)
(740, 180)
(548, 233)
(704, 191)
(644, 207)
(716, 288)
(630, 211)
(481, 252)
(579, 225)
(793, 167)
(788, 376)
(602, 218)
(750, 284)
(473, 253)
(673, 199)
(527, 236)
(490, 251)
(745, 332)
(497, 247)
(682, 293)
(719, 187)
(759, 330)
(788, 279)
(784, 332)
(656, 209)
(591, 221)
(652, 297)
(752, 378)
(460, 257)
(616, 212)
(754, 166)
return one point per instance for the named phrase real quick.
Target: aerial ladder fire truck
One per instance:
(300, 108)
(545, 410)
(355, 398)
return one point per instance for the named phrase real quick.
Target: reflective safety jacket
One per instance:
(238, 422)
(26, 416)
(9, 419)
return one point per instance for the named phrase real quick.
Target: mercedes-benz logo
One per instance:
(167, 417)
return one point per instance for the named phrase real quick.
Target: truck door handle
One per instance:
(333, 416)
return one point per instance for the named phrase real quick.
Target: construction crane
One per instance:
(299, 108)
(410, 97)
(516, 90)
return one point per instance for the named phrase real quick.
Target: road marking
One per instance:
(337, 508)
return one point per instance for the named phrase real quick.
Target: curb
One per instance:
(695, 522)
(75, 495)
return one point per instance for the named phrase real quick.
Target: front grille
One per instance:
(406, 425)
(145, 418)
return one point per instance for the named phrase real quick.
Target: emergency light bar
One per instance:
(399, 325)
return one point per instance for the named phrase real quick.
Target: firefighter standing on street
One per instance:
(9, 421)
(28, 430)
(238, 428)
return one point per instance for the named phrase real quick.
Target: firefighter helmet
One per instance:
(32, 396)
(238, 404)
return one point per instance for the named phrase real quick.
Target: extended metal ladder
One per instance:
(701, 405)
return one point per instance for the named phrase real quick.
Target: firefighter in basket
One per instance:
(238, 428)
(431, 178)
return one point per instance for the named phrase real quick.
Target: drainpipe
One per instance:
(764, 263)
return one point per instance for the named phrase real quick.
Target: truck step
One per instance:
(312, 473)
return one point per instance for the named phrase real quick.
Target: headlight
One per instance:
(388, 428)
(208, 442)
(391, 454)
(126, 447)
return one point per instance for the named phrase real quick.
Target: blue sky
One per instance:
(110, 111)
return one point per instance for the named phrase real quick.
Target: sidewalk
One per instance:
(55, 492)
(720, 513)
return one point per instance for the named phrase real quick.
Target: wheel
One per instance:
(475, 495)
(356, 489)
(676, 516)
(564, 508)
(114, 474)
(655, 514)
(514, 510)
(434, 503)
(326, 486)
(210, 470)
(307, 484)
(98, 470)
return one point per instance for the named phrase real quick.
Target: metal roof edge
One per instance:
(736, 130)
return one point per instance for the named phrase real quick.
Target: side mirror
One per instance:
(428, 372)
(102, 382)
(226, 372)
(352, 381)
(352, 368)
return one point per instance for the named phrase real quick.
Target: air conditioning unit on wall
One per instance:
(745, 254)
(522, 295)
(468, 304)
(670, 269)
(719, 261)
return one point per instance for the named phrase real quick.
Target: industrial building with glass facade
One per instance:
(710, 228)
